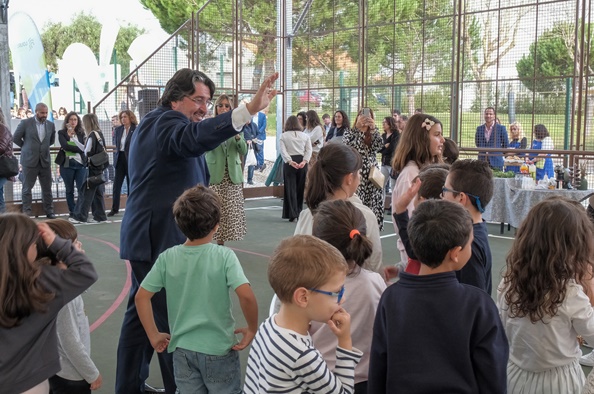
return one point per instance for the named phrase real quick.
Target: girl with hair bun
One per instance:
(343, 226)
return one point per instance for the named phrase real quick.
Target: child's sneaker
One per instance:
(588, 359)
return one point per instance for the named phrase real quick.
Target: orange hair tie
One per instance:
(353, 233)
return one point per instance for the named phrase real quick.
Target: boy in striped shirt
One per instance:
(307, 274)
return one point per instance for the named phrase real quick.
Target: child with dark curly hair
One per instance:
(543, 301)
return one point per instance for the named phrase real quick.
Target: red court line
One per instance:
(123, 294)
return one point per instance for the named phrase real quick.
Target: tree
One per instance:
(86, 29)
(216, 21)
(552, 55)
(550, 58)
(493, 41)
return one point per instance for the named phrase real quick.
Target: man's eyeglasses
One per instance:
(223, 105)
(201, 101)
(338, 294)
(477, 199)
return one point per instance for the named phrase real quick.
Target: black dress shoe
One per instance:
(112, 213)
(50, 216)
(150, 389)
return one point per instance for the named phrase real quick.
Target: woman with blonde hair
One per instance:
(226, 180)
(516, 141)
(91, 193)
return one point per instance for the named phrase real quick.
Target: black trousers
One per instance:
(60, 385)
(294, 188)
(121, 172)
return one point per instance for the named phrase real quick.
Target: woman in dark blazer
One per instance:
(226, 179)
(72, 138)
(122, 138)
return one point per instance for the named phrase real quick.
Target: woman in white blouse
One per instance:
(316, 134)
(296, 152)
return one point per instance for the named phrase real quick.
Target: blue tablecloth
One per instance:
(511, 204)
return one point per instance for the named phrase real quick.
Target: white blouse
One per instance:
(537, 347)
(316, 137)
(293, 143)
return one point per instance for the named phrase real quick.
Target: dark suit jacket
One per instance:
(497, 139)
(119, 131)
(33, 151)
(63, 140)
(166, 158)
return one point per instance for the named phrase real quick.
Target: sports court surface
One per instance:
(105, 301)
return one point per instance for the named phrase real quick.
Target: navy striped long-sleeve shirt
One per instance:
(283, 361)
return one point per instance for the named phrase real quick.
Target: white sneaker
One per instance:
(73, 220)
(588, 359)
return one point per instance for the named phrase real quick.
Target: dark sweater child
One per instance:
(433, 334)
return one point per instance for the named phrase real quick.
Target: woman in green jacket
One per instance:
(226, 179)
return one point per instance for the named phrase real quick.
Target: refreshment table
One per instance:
(511, 204)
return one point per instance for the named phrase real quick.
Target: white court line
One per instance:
(271, 207)
(500, 237)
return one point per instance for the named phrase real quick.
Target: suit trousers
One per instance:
(134, 348)
(30, 175)
(121, 172)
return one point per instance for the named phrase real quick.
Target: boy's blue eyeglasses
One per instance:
(477, 199)
(339, 294)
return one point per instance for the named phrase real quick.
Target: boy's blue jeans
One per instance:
(202, 373)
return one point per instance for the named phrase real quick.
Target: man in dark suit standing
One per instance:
(166, 158)
(491, 135)
(122, 138)
(35, 136)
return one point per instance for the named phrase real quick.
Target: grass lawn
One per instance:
(469, 122)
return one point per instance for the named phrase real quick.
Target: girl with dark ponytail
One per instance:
(342, 225)
(336, 176)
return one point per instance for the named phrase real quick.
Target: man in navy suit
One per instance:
(35, 136)
(491, 135)
(166, 158)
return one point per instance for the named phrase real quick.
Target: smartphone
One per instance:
(366, 111)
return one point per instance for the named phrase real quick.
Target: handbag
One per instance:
(60, 158)
(376, 177)
(9, 166)
(250, 158)
(96, 180)
(101, 159)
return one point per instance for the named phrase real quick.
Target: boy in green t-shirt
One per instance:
(197, 277)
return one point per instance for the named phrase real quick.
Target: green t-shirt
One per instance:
(198, 280)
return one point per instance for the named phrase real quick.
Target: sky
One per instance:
(125, 11)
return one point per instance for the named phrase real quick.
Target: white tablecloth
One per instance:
(511, 205)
